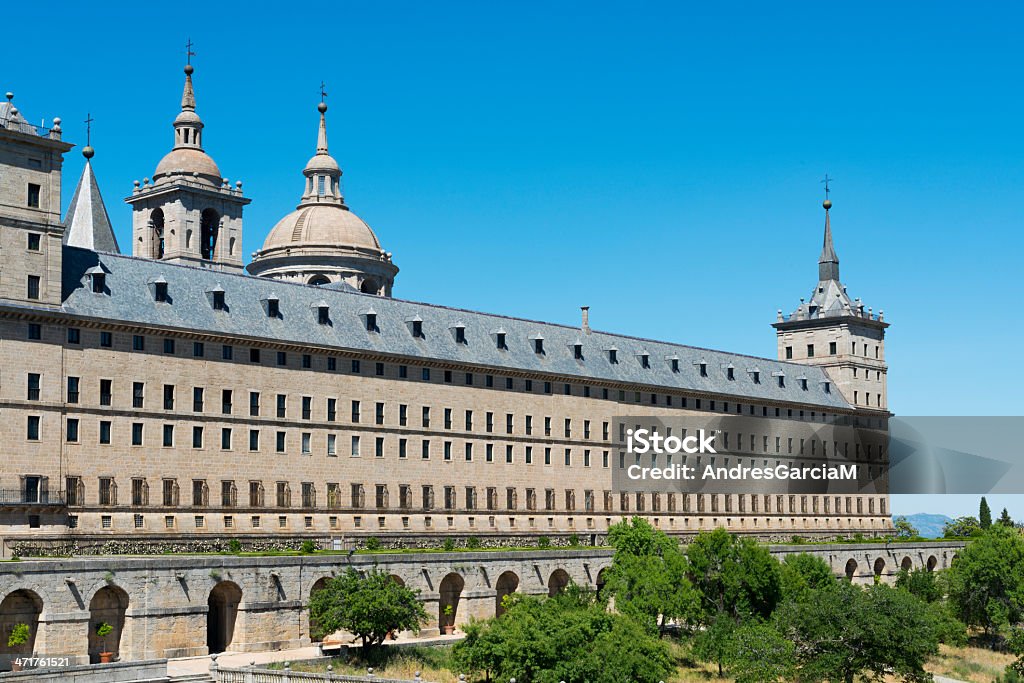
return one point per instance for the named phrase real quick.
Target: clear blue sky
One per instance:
(659, 161)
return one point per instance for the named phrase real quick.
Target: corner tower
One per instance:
(323, 241)
(833, 331)
(188, 214)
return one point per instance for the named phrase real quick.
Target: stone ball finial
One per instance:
(10, 96)
(827, 204)
(189, 69)
(135, 183)
(322, 107)
(238, 184)
(56, 121)
(14, 111)
(88, 152)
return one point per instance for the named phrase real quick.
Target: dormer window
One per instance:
(803, 383)
(99, 282)
(500, 340)
(703, 367)
(460, 334)
(645, 360)
(273, 308)
(417, 328)
(538, 345)
(577, 350)
(160, 291)
(673, 362)
(217, 299)
(371, 321)
(730, 373)
(613, 356)
(756, 376)
(323, 313)
(828, 387)
(782, 380)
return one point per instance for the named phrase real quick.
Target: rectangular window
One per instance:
(426, 416)
(254, 439)
(138, 342)
(35, 331)
(72, 431)
(254, 355)
(425, 449)
(355, 411)
(280, 442)
(402, 448)
(74, 335)
(33, 195)
(254, 403)
(307, 407)
(33, 386)
(378, 449)
(282, 358)
(106, 339)
(226, 396)
(332, 363)
(332, 409)
(355, 446)
(136, 433)
(282, 405)
(168, 345)
(168, 397)
(34, 241)
(225, 438)
(197, 437)
(307, 361)
(332, 444)
(227, 352)
(379, 414)
(197, 399)
(33, 287)
(105, 432)
(306, 446)
(198, 349)
(168, 436)
(355, 367)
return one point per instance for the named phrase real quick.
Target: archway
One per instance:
(156, 220)
(932, 562)
(507, 584)
(557, 582)
(369, 286)
(602, 581)
(107, 606)
(220, 620)
(209, 222)
(316, 633)
(398, 579)
(19, 607)
(450, 592)
(318, 280)
(907, 564)
(879, 567)
(851, 569)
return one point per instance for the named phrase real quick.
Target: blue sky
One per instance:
(659, 162)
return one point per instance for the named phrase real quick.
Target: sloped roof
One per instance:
(87, 224)
(130, 301)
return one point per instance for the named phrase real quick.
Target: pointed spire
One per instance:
(321, 137)
(87, 224)
(323, 175)
(188, 95)
(828, 262)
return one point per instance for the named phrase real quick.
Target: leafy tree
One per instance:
(369, 606)
(984, 514)
(760, 653)
(20, 635)
(921, 583)
(1005, 519)
(844, 632)
(904, 529)
(961, 527)
(986, 581)
(569, 637)
(648, 576)
(948, 629)
(734, 576)
(802, 572)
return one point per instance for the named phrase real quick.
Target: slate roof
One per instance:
(15, 121)
(87, 224)
(130, 300)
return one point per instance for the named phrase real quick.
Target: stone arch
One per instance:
(851, 569)
(557, 582)
(450, 592)
(316, 633)
(907, 564)
(369, 286)
(932, 563)
(601, 581)
(220, 619)
(397, 579)
(22, 606)
(108, 606)
(507, 584)
(209, 227)
(156, 223)
(318, 280)
(879, 567)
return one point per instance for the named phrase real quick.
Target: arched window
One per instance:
(156, 222)
(209, 224)
(319, 280)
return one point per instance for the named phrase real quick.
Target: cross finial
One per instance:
(323, 93)
(189, 54)
(826, 181)
(88, 129)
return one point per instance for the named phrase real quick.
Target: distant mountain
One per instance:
(928, 525)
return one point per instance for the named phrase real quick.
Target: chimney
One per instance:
(585, 325)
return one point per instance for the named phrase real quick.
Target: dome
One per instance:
(186, 161)
(322, 163)
(327, 225)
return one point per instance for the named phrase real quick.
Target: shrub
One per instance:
(472, 542)
(373, 543)
(234, 546)
(543, 542)
(308, 547)
(449, 545)
(19, 635)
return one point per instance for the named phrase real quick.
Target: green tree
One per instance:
(369, 606)
(760, 653)
(1005, 519)
(961, 527)
(845, 632)
(802, 572)
(986, 581)
(903, 528)
(921, 583)
(984, 514)
(648, 576)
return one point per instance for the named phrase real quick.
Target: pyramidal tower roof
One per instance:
(87, 224)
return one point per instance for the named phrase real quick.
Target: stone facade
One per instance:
(178, 606)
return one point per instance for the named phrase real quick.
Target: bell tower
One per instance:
(188, 214)
(837, 333)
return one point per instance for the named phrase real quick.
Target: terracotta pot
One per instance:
(449, 629)
(15, 665)
(106, 657)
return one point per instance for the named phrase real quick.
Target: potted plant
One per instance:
(449, 622)
(103, 629)
(20, 635)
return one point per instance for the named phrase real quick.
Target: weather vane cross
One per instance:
(826, 181)
(88, 129)
(323, 93)
(189, 54)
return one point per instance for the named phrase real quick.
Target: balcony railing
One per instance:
(20, 497)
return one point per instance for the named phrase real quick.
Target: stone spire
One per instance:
(87, 224)
(188, 127)
(188, 95)
(323, 175)
(321, 138)
(828, 263)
